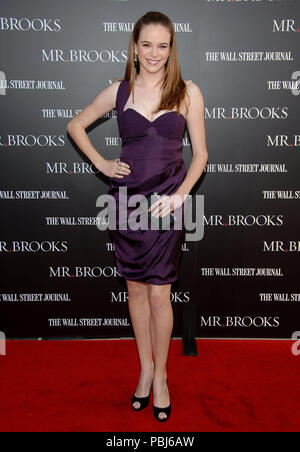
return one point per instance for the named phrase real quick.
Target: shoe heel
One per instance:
(143, 401)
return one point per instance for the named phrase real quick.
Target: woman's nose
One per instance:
(154, 53)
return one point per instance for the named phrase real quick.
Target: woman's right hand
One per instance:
(114, 168)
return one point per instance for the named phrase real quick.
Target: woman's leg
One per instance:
(162, 322)
(139, 310)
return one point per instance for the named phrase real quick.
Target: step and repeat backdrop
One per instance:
(58, 272)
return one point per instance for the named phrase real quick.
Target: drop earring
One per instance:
(136, 62)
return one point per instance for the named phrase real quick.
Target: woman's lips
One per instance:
(153, 62)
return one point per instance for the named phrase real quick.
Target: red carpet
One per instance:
(86, 386)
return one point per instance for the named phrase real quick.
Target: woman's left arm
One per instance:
(196, 129)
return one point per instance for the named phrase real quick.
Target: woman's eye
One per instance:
(147, 45)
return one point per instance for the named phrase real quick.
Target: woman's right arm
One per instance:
(102, 104)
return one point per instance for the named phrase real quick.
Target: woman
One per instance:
(154, 104)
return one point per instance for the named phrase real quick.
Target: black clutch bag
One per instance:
(160, 223)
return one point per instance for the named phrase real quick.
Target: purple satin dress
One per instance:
(153, 149)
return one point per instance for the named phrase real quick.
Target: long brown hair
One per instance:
(174, 89)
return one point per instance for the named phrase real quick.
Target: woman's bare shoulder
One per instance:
(192, 87)
(194, 93)
(108, 95)
(117, 83)
(195, 97)
(114, 86)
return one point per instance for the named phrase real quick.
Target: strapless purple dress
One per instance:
(153, 149)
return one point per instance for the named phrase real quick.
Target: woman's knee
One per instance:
(137, 289)
(159, 296)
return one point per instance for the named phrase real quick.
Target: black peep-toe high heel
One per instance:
(157, 411)
(143, 401)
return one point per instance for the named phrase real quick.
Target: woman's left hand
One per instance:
(167, 204)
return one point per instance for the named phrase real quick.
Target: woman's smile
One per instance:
(153, 62)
